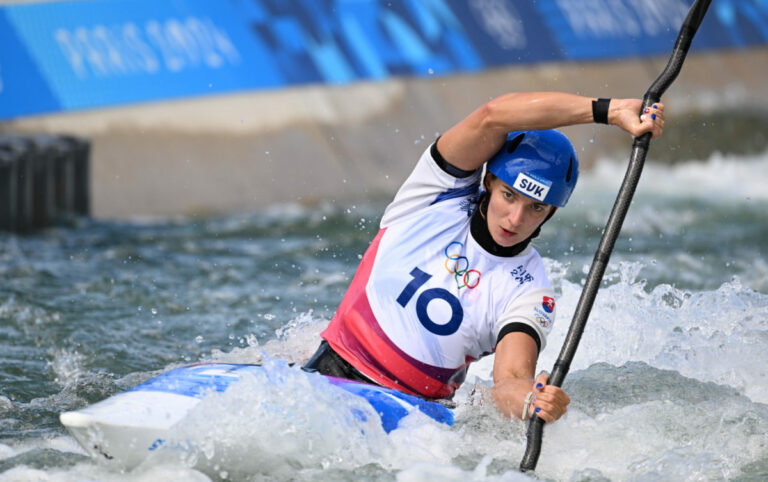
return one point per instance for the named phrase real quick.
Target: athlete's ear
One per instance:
(549, 216)
(489, 177)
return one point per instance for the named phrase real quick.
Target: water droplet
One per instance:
(199, 339)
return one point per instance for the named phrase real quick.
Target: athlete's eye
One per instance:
(507, 194)
(539, 207)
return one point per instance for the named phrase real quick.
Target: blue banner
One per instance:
(23, 89)
(64, 56)
(100, 53)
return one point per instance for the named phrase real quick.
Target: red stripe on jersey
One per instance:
(357, 337)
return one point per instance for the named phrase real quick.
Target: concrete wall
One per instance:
(247, 151)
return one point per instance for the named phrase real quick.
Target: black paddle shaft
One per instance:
(613, 226)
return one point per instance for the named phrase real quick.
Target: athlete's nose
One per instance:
(516, 214)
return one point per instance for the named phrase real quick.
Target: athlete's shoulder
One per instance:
(430, 185)
(432, 168)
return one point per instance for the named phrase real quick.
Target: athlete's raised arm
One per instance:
(471, 142)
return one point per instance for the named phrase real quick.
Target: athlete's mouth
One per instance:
(507, 233)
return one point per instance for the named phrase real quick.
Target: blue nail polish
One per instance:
(653, 116)
(537, 410)
(539, 385)
(654, 106)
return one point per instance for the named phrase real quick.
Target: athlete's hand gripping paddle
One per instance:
(613, 226)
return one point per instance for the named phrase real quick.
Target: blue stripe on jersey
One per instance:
(457, 192)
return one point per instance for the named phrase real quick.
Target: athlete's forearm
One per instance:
(522, 397)
(509, 395)
(513, 367)
(536, 110)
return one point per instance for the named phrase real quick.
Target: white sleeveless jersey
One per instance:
(427, 299)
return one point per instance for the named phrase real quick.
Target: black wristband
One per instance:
(600, 110)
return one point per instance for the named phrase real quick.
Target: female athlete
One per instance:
(451, 275)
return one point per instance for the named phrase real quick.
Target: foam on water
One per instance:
(667, 384)
(694, 224)
(281, 423)
(734, 178)
(299, 422)
(703, 418)
(717, 336)
(631, 419)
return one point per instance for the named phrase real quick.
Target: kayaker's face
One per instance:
(512, 217)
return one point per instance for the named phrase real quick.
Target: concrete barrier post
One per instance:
(42, 177)
(24, 186)
(19, 150)
(43, 182)
(8, 181)
(80, 151)
(63, 177)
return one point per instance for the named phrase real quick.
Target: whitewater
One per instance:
(669, 383)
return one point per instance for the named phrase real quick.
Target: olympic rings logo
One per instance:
(458, 266)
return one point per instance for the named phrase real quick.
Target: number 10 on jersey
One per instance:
(425, 298)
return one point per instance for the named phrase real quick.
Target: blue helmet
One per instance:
(540, 164)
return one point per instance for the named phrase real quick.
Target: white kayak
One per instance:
(127, 427)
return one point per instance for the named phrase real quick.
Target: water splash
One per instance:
(300, 423)
(673, 329)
